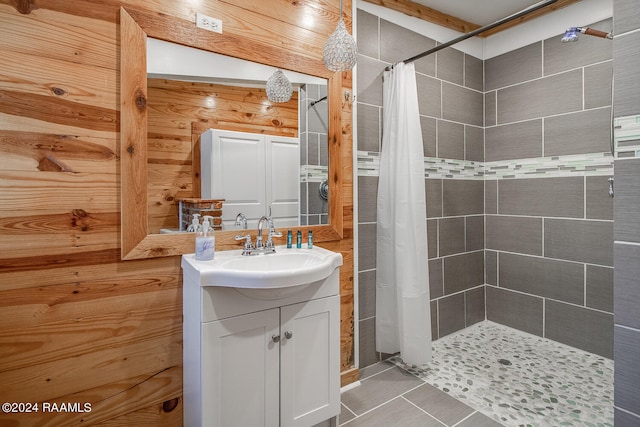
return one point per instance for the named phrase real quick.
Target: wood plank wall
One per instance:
(173, 106)
(76, 323)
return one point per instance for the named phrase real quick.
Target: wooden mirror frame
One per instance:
(135, 26)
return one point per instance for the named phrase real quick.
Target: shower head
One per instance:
(571, 35)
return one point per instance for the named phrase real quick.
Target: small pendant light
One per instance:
(340, 51)
(279, 87)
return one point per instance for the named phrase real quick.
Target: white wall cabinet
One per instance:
(252, 172)
(255, 362)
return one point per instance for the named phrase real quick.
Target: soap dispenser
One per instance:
(195, 224)
(205, 241)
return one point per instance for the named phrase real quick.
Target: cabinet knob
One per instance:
(288, 335)
(275, 338)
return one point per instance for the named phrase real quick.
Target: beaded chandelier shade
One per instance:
(279, 87)
(340, 50)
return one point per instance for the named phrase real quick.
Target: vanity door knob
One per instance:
(288, 335)
(275, 338)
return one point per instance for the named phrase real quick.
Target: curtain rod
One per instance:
(480, 30)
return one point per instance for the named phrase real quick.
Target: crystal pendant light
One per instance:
(278, 87)
(340, 51)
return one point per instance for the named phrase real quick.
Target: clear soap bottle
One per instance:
(205, 241)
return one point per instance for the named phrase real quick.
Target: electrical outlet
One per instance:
(208, 23)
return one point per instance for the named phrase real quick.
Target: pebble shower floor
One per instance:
(545, 384)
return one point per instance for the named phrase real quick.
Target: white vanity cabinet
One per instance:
(250, 361)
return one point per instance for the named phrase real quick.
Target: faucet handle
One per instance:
(247, 240)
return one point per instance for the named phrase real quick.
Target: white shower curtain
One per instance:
(403, 318)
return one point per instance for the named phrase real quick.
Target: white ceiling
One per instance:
(481, 12)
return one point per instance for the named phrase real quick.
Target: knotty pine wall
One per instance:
(76, 323)
(173, 107)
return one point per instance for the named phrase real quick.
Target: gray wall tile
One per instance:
(398, 43)
(450, 140)
(588, 50)
(369, 127)
(523, 312)
(491, 267)
(367, 198)
(514, 67)
(433, 187)
(580, 327)
(432, 238)
(463, 271)
(560, 93)
(474, 226)
(599, 204)
(563, 197)
(490, 108)
(429, 138)
(367, 34)
(473, 72)
(491, 196)
(626, 65)
(474, 306)
(514, 234)
(434, 320)
(450, 65)
(366, 246)
(367, 342)
(462, 197)
(627, 290)
(582, 241)
(627, 374)
(461, 104)
(626, 201)
(436, 286)
(429, 95)
(599, 287)
(451, 236)
(597, 85)
(367, 294)
(514, 141)
(543, 277)
(451, 311)
(370, 80)
(627, 16)
(474, 143)
(578, 133)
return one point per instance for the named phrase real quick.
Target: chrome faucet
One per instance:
(241, 221)
(261, 247)
(259, 236)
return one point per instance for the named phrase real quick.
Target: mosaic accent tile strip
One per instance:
(626, 132)
(540, 167)
(313, 173)
(520, 379)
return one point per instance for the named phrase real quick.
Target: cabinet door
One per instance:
(310, 362)
(240, 371)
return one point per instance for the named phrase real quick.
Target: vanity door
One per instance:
(240, 370)
(310, 362)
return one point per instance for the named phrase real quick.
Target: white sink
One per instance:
(287, 268)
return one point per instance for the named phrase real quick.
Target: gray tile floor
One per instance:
(390, 396)
(468, 384)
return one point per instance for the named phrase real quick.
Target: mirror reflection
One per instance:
(195, 97)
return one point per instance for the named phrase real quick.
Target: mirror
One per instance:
(192, 92)
(135, 26)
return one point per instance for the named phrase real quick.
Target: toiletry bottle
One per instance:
(195, 224)
(299, 239)
(310, 240)
(289, 238)
(205, 241)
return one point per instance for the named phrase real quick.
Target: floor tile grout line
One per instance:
(419, 408)
(384, 403)
(467, 417)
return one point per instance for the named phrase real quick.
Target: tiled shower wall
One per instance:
(520, 170)
(549, 238)
(451, 110)
(626, 56)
